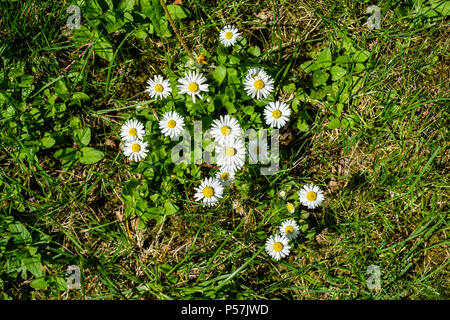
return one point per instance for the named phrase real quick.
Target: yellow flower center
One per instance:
(193, 87)
(136, 147)
(259, 84)
(228, 35)
(290, 206)
(171, 124)
(132, 132)
(225, 176)
(289, 229)
(225, 130)
(277, 246)
(276, 114)
(230, 151)
(208, 192)
(201, 59)
(311, 196)
(159, 88)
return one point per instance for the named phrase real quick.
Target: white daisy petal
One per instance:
(259, 86)
(171, 124)
(209, 192)
(226, 176)
(277, 246)
(277, 114)
(132, 130)
(231, 154)
(289, 229)
(135, 150)
(311, 196)
(225, 128)
(193, 84)
(158, 88)
(228, 36)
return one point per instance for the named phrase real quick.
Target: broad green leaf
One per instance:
(80, 96)
(170, 208)
(61, 90)
(320, 77)
(323, 60)
(360, 56)
(337, 73)
(126, 5)
(177, 12)
(48, 142)
(90, 155)
(20, 233)
(66, 154)
(39, 284)
(83, 136)
(33, 264)
(104, 49)
(334, 123)
(254, 51)
(219, 74)
(308, 66)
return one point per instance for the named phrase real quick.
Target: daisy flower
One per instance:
(132, 130)
(225, 128)
(231, 154)
(171, 124)
(225, 176)
(277, 114)
(259, 86)
(289, 229)
(228, 36)
(277, 246)
(158, 88)
(210, 191)
(290, 207)
(282, 194)
(255, 72)
(311, 196)
(135, 150)
(193, 84)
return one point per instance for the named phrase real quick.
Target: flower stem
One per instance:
(172, 23)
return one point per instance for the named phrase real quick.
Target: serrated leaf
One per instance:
(90, 155)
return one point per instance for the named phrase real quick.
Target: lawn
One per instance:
(368, 125)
